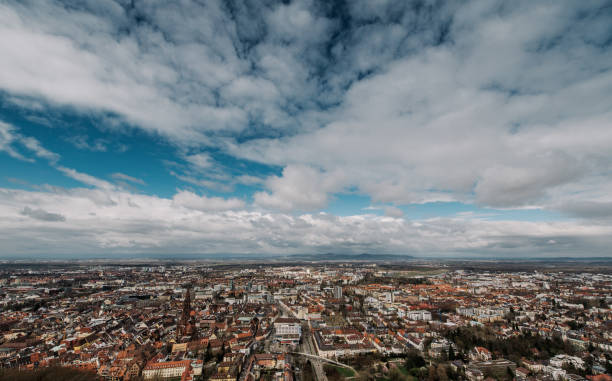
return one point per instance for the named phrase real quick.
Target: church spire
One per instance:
(187, 305)
(186, 324)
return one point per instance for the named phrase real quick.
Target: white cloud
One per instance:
(81, 142)
(85, 178)
(488, 119)
(115, 221)
(392, 211)
(475, 103)
(248, 180)
(42, 215)
(299, 188)
(9, 137)
(183, 72)
(124, 177)
(504, 106)
(191, 200)
(89, 68)
(35, 146)
(200, 160)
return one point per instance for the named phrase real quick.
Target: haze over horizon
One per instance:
(431, 128)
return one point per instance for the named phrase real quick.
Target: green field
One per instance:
(330, 370)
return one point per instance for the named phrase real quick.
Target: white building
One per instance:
(338, 292)
(169, 369)
(418, 315)
(288, 330)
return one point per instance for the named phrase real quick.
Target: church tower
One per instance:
(186, 323)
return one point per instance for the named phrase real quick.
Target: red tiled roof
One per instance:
(168, 364)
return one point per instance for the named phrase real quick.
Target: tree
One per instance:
(602, 303)
(51, 373)
(451, 353)
(444, 355)
(413, 360)
(431, 373)
(396, 375)
(208, 356)
(441, 373)
(221, 354)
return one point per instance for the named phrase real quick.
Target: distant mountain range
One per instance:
(351, 257)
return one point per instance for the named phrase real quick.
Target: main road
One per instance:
(309, 348)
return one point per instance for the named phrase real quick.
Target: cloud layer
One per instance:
(496, 104)
(102, 221)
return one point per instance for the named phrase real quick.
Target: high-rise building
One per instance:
(337, 292)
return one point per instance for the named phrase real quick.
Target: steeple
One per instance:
(186, 306)
(186, 323)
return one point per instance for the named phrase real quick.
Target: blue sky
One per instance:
(429, 128)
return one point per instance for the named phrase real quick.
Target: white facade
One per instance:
(165, 370)
(419, 315)
(338, 292)
(288, 328)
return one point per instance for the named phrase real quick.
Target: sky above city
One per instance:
(429, 128)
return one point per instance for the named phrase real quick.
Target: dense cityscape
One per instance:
(312, 321)
(305, 190)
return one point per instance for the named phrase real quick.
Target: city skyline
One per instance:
(301, 321)
(431, 129)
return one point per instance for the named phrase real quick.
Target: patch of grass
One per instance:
(346, 372)
(406, 373)
(401, 373)
(337, 372)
